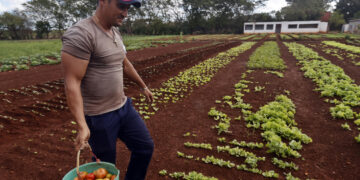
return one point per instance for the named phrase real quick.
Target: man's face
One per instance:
(115, 12)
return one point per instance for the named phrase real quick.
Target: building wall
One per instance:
(265, 30)
(354, 26)
(290, 27)
(345, 28)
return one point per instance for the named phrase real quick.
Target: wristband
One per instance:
(143, 89)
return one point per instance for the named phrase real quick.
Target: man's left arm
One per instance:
(130, 71)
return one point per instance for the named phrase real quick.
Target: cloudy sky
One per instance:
(272, 5)
(8, 5)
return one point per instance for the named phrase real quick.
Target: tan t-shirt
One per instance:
(102, 86)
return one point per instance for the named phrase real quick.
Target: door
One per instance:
(278, 28)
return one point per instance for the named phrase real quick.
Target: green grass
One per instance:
(14, 49)
(140, 42)
(10, 49)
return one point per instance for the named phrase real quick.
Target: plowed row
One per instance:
(37, 143)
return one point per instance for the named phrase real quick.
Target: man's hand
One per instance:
(148, 94)
(82, 138)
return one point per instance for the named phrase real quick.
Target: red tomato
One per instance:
(112, 177)
(90, 176)
(100, 173)
(83, 174)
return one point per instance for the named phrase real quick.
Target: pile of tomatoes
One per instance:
(99, 174)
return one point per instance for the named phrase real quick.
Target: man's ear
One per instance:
(101, 2)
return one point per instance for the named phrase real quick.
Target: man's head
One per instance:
(115, 11)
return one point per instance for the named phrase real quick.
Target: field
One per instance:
(226, 106)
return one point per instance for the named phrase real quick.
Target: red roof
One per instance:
(326, 17)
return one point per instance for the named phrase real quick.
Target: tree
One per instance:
(357, 15)
(16, 24)
(336, 21)
(301, 10)
(60, 13)
(217, 15)
(42, 27)
(348, 8)
(51, 11)
(261, 17)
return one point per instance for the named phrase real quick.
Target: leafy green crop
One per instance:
(174, 89)
(217, 161)
(330, 79)
(346, 126)
(251, 145)
(283, 164)
(251, 158)
(277, 120)
(193, 175)
(343, 46)
(289, 176)
(224, 120)
(198, 145)
(267, 56)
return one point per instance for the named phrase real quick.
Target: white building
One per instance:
(352, 27)
(286, 27)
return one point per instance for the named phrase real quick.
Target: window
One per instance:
(259, 27)
(292, 26)
(248, 27)
(269, 27)
(308, 25)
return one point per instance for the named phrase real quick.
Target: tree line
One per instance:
(156, 17)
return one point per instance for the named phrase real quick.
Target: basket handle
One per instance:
(78, 162)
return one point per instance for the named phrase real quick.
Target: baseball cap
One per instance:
(136, 3)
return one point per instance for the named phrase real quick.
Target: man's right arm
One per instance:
(74, 71)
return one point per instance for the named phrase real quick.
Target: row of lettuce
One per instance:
(276, 120)
(331, 81)
(25, 62)
(182, 85)
(339, 53)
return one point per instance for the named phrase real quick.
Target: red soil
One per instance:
(42, 147)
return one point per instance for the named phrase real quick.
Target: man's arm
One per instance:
(130, 71)
(74, 71)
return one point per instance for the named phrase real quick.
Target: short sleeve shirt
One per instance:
(102, 86)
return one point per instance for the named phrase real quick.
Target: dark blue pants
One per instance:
(126, 124)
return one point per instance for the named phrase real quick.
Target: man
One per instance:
(94, 60)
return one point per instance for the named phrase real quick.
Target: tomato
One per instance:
(113, 177)
(90, 176)
(83, 174)
(100, 173)
(108, 175)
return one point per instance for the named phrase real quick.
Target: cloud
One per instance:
(272, 5)
(6, 5)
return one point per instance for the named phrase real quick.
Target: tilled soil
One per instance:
(42, 147)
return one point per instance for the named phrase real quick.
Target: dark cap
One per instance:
(136, 3)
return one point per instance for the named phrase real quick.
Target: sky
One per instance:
(9, 5)
(270, 5)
